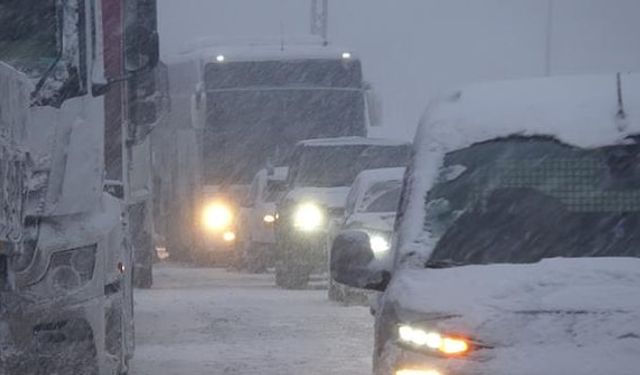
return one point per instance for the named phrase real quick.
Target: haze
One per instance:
(413, 49)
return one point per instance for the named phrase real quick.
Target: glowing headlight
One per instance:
(417, 372)
(269, 219)
(308, 217)
(229, 236)
(379, 244)
(346, 55)
(432, 340)
(217, 217)
(220, 58)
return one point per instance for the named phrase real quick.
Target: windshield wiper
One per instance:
(441, 264)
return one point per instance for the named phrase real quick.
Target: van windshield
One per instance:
(520, 200)
(338, 166)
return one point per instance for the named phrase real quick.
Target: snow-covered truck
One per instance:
(66, 302)
(236, 110)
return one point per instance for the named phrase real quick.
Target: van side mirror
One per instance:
(374, 107)
(354, 264)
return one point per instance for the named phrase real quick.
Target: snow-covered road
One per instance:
(199, 321)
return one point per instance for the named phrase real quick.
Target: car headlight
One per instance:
(217, 217)
(308, 217)
(432, 340)
(380, 244)
(269, 218)
(418, 372)
(71, 269)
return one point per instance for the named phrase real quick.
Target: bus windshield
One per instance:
(247, 128)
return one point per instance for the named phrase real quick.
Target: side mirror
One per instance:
(143, 43)
(374, 108)
(143, 53)
(353, 262)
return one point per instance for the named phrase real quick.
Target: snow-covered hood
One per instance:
(332, 198)
(564, 316)
(376, 221)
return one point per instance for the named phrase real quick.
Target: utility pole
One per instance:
(549, 38)
(320, 19)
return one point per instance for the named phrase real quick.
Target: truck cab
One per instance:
(66, 298)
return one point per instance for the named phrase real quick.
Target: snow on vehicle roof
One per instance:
(577, 110)
(581, 111)
(279, 173)
(261, 49)
(372, 176)
(351, 141)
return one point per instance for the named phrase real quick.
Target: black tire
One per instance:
(292, 276)
(255, 258)
(143, 277)
(335, 292)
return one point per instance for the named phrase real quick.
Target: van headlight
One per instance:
(309, 217)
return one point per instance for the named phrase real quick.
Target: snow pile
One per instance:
(583, 111)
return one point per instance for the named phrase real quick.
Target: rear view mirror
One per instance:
(353, 262)
(143, 43)
(374, 108)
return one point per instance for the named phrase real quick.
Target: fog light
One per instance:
(418, 372)
(229, 236)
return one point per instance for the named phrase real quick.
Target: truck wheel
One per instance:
(336, 292)
(255, 260)
(143, 277)
(291, 276)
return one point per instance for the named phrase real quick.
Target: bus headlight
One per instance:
(217, 217)
(308, 217)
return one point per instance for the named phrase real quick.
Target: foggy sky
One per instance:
(413, 49)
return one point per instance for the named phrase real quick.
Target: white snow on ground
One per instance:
(210, 321)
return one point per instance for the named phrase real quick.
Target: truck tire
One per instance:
(290, 276)
(255, 258)
(335, 292)
(143, 277)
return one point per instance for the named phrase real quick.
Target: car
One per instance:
(371, 207)
(517, 239)
(257, 219)
(321, 172)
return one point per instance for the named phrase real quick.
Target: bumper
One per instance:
(527, 360)
(55, 337)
